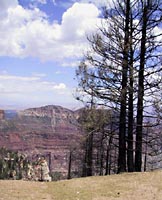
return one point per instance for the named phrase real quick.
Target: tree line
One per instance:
(121, 72)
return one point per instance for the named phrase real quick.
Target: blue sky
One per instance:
(41, 44)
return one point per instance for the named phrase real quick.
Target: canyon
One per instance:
(51, 131)
(55, 133)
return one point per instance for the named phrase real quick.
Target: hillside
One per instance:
(133, 186)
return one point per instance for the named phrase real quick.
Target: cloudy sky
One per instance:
(41, 43)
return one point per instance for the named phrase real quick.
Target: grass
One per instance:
(128, 186)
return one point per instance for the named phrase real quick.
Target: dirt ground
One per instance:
(23, 190)
(129, 186)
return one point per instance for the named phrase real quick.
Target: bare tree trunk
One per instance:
(87, 163)
(146, 148)
(139, 128)
(122, 125)
(69, 165)
(130, 160)
(108, 151)
(89, 155)
(102, 153)
(108, 157)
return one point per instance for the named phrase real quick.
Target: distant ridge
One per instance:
(47, 130)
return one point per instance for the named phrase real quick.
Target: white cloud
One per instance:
(5, 4)
(79, 20)
(39, 74)
(158, 31)
(59, 72)
(60, 86)
(17, 78)
(31, 84)
(70, 63)
(33, 90)
(27, 32)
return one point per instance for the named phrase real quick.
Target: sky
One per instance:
(41, 44)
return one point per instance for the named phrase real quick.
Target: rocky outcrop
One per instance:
(14, 165)
(44, 170)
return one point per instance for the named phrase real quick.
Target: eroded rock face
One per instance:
(49, 131)
(2, 115)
